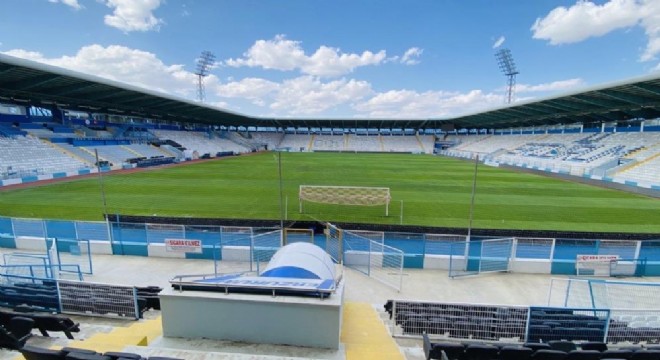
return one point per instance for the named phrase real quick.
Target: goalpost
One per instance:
(345, 195)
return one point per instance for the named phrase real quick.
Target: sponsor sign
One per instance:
(597, 258)
(183, 246)
(239, 281)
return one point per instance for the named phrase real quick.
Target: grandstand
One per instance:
(624, 157)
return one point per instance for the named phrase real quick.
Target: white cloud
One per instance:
(651, 24)
(286, 55)
(413, 104)
(253, 89)
(309, 95)
(72, 3)
(499, 42)
(560, 85)
(302, 95)
(133, 15)
(124, 64)
(305, 95)
(586, 19)
(411, 56)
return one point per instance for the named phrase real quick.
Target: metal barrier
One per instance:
(480, 257)
(98, 299)
(246, 251)
(374, 259)
(479, 322)
(597, 293)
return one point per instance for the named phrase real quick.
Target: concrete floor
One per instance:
(428, 285)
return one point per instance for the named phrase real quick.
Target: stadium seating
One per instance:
(328, 143)
(42, 298)
(36, 353)
(53, 323)
(43, 322)
(296, 142)
(270, 140)
(202, 143)
(363, 143)
(459, 321)
(28, 156)
(408, 144)
(15, 333)
(624, 156)
(68, 353)
(558, 328)
(528, 351)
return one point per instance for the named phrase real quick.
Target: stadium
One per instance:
(141, 224)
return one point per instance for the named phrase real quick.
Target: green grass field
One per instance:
(435, 191)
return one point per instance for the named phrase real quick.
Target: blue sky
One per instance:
(343, 58)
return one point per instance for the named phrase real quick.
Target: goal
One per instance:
(345, 195)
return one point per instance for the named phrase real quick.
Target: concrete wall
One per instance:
(526, 266)
(261, 319)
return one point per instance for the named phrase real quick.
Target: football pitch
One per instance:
(426, 190)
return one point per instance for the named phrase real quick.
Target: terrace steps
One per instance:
(132, 151)
(637, 164)
(310, 146)
(419, 142)
(101, 158)
(67, 152)
(364, 334)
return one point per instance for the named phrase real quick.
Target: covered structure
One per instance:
(301, 261)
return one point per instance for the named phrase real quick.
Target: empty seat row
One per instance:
(67, 353)
(555, 350)
(45, 302)
(464, 329)
(15, 332)
(43, 322)
(544, 333)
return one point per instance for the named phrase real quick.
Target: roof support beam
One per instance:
(628, 98)
(654, 89)
(72, 89)
(31, 82)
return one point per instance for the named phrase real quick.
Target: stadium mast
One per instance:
(204, 63)
(508, 67)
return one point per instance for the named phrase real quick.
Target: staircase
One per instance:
(419, 141)
(67, 152)
(131, 151)
(310, 146)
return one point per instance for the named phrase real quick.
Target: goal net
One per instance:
(345, 195)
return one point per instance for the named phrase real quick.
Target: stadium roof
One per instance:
(31, 83)
(637, 98)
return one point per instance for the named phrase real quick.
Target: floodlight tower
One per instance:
(204, 63)
(508, 67)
